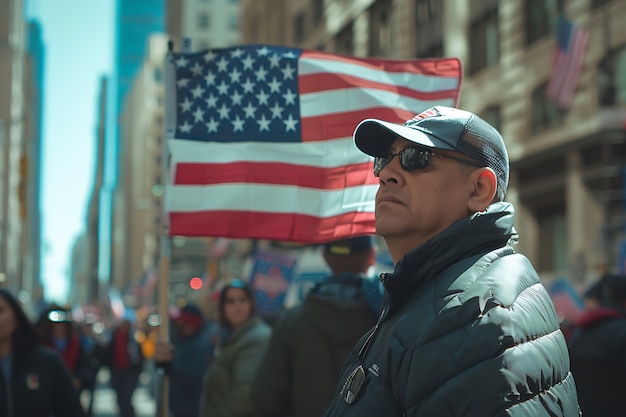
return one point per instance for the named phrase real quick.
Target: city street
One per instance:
(104, 402)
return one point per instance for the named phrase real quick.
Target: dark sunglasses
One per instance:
(415, 159)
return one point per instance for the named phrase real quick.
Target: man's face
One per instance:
(412, 207)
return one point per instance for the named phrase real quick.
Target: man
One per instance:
(598, 351)
(311, 341)
(187, 359)
(467, 328)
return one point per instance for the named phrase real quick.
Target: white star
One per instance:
(212, 125)
(238, 124)
(290, 124)
(181, 62)
(290, 55)
(260, 74)
(234, 76)
(185, 127)
(198, 115)
(290, 98)
(209, 56)
(248, 86)
(223, 111)
(288, 72)
(222, 64)
(222, 88)
(197, 92)
(236, 97)
(182, 83)
(249, 109)
(211, 101)
(264, 124)
(263, 51)
(274, 61)
(277, 111)
(247, 62)
(210, 78)
(196, 69)
(274, 85)
(262, 97)
(185, 106)
(237, 53)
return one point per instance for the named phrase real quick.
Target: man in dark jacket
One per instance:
(598, 351)
(467, 328)
(311, 341)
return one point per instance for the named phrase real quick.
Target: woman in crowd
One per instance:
(226, 385)
(58, 332)
(34, 381)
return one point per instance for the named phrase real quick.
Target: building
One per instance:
(21, 82)
(567, 164)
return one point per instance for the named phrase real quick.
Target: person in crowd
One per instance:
(34, 381)
(597, 348)
(186, 359)
(94, 352)
(467, 328)
(226, 385)
(312, 340)
(59, 332)
(125, 361)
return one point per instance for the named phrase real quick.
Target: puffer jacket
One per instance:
(226, 385)
(467, 330)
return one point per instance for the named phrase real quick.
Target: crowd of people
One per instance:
(462, 326)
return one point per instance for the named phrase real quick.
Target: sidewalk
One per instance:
(104, 402)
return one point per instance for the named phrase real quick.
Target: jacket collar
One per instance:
(474, 235)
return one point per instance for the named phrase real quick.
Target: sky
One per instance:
(78, 39)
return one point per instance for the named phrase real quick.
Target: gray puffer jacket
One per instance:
(468, 330)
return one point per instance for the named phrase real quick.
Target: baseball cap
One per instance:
(345, 247)
(445, 128)
(190, 314)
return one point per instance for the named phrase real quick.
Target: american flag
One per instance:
(569, 53)
(260, 138)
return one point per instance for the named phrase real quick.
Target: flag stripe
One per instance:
(275, 173)
(272, 198)
(273, 226)
(572, 73)
(329, 154)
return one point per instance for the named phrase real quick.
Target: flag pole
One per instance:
(165, 246)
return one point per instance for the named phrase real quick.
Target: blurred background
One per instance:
(81, 135)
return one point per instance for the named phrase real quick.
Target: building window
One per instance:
(484, 38)
(203, 21)
(429, 28)
(344, 42)
(540, 18)
(234, 22)
(318, 11)
(492, 115)
(380, 28)
(298, 27)
(544, 114)
(596, 4)
(611, 79)
(553, 245)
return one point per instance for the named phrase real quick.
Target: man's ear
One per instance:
(485, 184)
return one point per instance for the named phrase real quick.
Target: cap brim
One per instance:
(374, 137)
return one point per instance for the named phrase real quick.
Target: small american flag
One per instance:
(261, 144)
(569, 53)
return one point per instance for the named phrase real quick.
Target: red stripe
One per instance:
(272, 226)
(314, 83)
(441, 67)
(274, 173)
(342, 125)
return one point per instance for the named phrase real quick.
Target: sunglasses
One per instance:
(415, 159)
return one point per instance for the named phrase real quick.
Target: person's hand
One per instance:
(163, 352)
